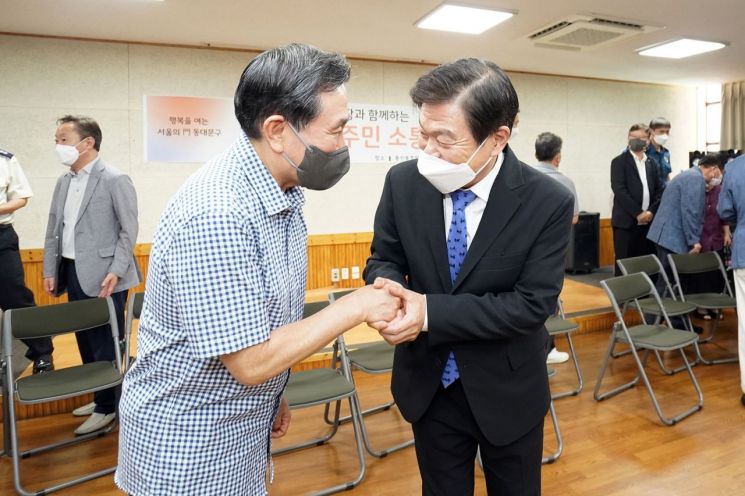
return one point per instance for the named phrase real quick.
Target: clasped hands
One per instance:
(407, 321)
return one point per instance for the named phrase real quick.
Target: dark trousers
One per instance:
(631, 242)
(95, 344)
(447, 437)
(13, 290)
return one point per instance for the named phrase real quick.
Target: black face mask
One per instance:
(320, 170)
(637, 144)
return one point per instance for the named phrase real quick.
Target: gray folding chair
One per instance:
(134, 309)
(558, 325)
(371, 358)
(53, 320)
(632, 288)
(322, 387)
(700, 263)
(650, 265)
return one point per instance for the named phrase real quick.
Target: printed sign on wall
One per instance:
(188, 129)
(381, 133)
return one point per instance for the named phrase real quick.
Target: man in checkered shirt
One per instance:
(220, 325)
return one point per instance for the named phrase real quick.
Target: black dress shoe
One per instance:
(42, 365)
(698, 329)
(742, 399)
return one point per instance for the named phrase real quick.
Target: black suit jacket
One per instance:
(627, 189)
(493, 317)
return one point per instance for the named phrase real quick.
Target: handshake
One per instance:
(394, 311)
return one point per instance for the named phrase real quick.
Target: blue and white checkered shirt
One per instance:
(228, 265)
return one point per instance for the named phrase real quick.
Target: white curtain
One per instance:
(733, 116)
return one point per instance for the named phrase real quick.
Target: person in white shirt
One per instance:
(14, 194)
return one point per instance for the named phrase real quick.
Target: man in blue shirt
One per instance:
(220, 325)
(731, 209)
(659, 134)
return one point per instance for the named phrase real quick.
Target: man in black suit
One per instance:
(636, 196)
(473, 241)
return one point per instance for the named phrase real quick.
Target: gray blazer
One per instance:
(679, 220)
(105, 232)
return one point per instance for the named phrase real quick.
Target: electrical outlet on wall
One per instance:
(345, 273)
(355, 272)
(335, 275)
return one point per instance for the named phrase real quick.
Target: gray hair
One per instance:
(287, 81)
(547, 146)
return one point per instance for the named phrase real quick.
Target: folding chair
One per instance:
(558, 325)
(650, 265)
(555, 422)
(696, 264)
(632, 288)
(372, 358)
(134, 309)
(321, 387)
(53, 320)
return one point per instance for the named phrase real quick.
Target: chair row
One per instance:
(635, 289)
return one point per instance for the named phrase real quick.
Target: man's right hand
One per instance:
(49, 285)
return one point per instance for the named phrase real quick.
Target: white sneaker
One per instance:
(95, 422)
(556, 356)
(84, 410)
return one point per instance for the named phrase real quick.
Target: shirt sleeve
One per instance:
(218, 285)
(18, 186)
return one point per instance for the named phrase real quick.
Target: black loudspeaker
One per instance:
(584, 243)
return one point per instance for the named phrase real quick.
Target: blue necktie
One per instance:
(457, 248)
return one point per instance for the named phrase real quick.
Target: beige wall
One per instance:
(46, 78)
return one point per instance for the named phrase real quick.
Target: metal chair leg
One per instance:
(578, 373)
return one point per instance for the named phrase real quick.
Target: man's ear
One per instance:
(501, 136)
(272, 131)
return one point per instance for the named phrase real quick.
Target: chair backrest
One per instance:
(649, 264)
(697, 263)
(315, 307)
(335, 295)
(623, 289)
(134, 310)
(62, 318)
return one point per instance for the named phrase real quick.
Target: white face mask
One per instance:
(661, 139)
(715, 181)
(447, 176)
(67, 154)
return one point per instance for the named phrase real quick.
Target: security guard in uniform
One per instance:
(14, 194)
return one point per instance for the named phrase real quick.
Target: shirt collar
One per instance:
(483, 187)
(639, 161)
(547, 165)
(87, 169)
(271, 196)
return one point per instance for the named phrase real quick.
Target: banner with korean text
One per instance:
(381, 133)
(188, 129)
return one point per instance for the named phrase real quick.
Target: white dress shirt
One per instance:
(75, 192)
(474, 211)
(641, 167)
(13, 185)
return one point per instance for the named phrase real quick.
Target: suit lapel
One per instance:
(433, 220)
(502, 205)
(89, 188)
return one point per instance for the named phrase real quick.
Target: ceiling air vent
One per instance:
(582, 32)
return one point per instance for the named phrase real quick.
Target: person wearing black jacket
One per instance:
(637, 189)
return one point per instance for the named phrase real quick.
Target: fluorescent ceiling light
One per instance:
(461, 19)
(681, 48)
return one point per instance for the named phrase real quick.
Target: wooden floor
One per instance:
(613, 448)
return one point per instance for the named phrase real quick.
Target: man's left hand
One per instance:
(409, 322)
(282, 420)
(108, 285)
